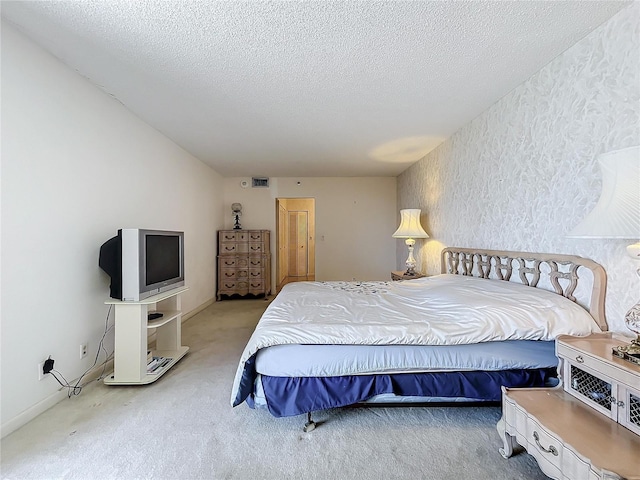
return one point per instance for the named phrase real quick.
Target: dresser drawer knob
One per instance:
(552, 450)
(579, 359)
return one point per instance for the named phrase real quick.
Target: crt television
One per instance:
(142, 263)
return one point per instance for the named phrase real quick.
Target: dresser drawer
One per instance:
(255, 236)
(256, 286)
(573, 466)
(256, 262)
(256, 248)
(233, 248)
(228, 262)
(233, 274)
(255, 274)
(543, 446)
(227, 274)
(233, 262)
(228, 248)
(234, 286)
(232, 236)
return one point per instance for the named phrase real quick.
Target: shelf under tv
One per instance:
(131, 337)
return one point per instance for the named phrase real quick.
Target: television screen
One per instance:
(162, 258)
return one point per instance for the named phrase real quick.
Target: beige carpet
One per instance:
(182, 427)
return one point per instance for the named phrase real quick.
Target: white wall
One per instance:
(524, 173)
(355, 218)
(76, 166)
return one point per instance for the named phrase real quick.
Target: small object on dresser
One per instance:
(154, 315)
(625, 352)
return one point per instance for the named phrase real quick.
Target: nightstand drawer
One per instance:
(578, 358)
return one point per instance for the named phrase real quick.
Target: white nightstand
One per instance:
(583, 429)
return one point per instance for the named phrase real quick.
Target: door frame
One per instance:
(282, 238)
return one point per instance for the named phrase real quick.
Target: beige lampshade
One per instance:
(410, 225)
(617, 212)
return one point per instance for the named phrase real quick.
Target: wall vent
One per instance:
(260, 182)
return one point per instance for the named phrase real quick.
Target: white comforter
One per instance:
(440, 310)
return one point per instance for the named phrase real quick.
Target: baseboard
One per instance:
(25, 417)
(195, 311)
(29, 414)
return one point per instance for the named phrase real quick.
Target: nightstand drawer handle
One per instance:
(579, 359)
(552, 450)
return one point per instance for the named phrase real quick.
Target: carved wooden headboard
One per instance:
(541, 270)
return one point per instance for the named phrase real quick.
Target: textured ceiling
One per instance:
(346, 88)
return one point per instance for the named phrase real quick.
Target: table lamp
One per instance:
(410, 229)
(617, 215)
(236, 210)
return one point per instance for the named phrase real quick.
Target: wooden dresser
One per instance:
(586, 429)
(244, 262)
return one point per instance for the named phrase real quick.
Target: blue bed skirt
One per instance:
(288, 396)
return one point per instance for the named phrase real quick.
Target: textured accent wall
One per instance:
(524, 173)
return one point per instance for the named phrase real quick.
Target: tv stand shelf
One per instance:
(131, 337)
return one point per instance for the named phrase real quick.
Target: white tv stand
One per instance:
(131, 326)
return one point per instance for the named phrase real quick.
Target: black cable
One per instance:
(72, 390)
(77, 388)
(100, 347)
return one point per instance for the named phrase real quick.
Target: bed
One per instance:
(489, 319)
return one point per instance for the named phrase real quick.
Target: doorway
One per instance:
(295, 238)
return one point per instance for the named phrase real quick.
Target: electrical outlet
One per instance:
(41, 374)
(83, 351)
